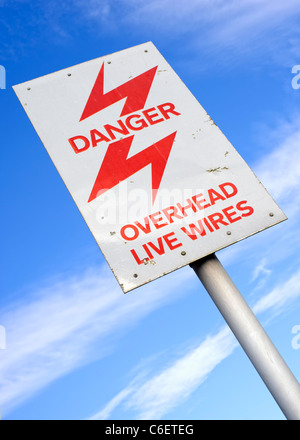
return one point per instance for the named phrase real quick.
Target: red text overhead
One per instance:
(179, 213)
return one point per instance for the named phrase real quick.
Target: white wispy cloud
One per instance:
(281, 296)
(261, 270)
(153, 398)
(216, 28)
(164, 391)
(242, 15)
(209, 26)
(52, 331)
(279, 170)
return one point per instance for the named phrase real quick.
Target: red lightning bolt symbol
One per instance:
(116, 167)
(135, 90)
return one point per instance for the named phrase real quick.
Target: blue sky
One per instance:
(76, 347)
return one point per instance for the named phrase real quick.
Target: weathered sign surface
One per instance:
(156, 181)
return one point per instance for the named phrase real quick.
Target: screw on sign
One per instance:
(158, 183)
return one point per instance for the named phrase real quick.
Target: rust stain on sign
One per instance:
(216, 170)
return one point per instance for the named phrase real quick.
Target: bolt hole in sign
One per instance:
(156, 181)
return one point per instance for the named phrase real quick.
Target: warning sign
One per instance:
(155, 179)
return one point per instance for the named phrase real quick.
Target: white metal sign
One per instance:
(155, 179)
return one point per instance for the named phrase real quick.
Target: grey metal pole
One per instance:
(259, 348)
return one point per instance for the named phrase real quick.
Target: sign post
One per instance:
(157, 182)
(269, 364)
